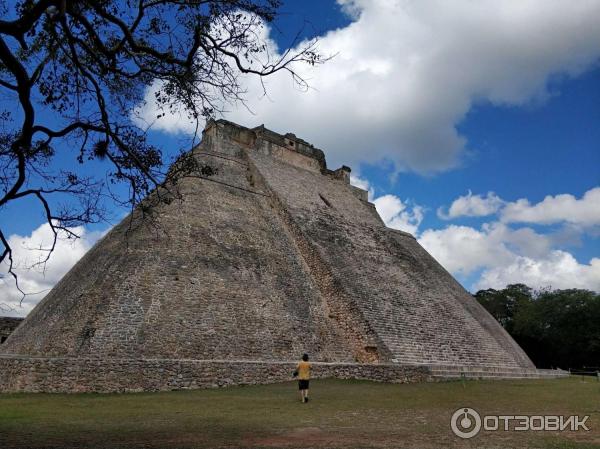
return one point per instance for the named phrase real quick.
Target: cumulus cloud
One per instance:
(463, 249)
(507, 256)
(394, 212)
(556, 209)
(472, 206)
(34, 279)
(397, 215)
(564, 208)
(407, 72)
(559, 269)
(501, 254)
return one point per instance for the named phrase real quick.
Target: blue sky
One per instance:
(475, 127)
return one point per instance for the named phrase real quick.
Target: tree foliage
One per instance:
(556, 328)
(72, 71)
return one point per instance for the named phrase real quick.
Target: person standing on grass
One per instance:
(303, 370)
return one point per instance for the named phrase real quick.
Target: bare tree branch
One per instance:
(88, 64)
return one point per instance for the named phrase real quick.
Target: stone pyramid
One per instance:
(268, 254)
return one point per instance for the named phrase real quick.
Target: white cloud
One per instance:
(564, 208)
(472, 206)
(406, 73)
(556, 209)
(397, 215)
(508, 256)
(558, 269)
(37, 280)
(462, 249)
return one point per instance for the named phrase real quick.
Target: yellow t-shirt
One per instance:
(303, 370)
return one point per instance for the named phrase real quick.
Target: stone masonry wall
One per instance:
(218, 278)
(417, 311)
(7, 326)
(73, 375)
(261, 257)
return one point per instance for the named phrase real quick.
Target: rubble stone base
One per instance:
(73, 375)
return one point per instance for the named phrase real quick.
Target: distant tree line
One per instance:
(556, 328)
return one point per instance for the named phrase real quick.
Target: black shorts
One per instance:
(303, 384)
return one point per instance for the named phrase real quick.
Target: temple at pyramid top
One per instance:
(267, 140)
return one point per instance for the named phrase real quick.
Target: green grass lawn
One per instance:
(340, 414)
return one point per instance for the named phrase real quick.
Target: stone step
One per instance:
(474, 368)
(434, 364)
(494, 373)
(491, 373)
(492, 377)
